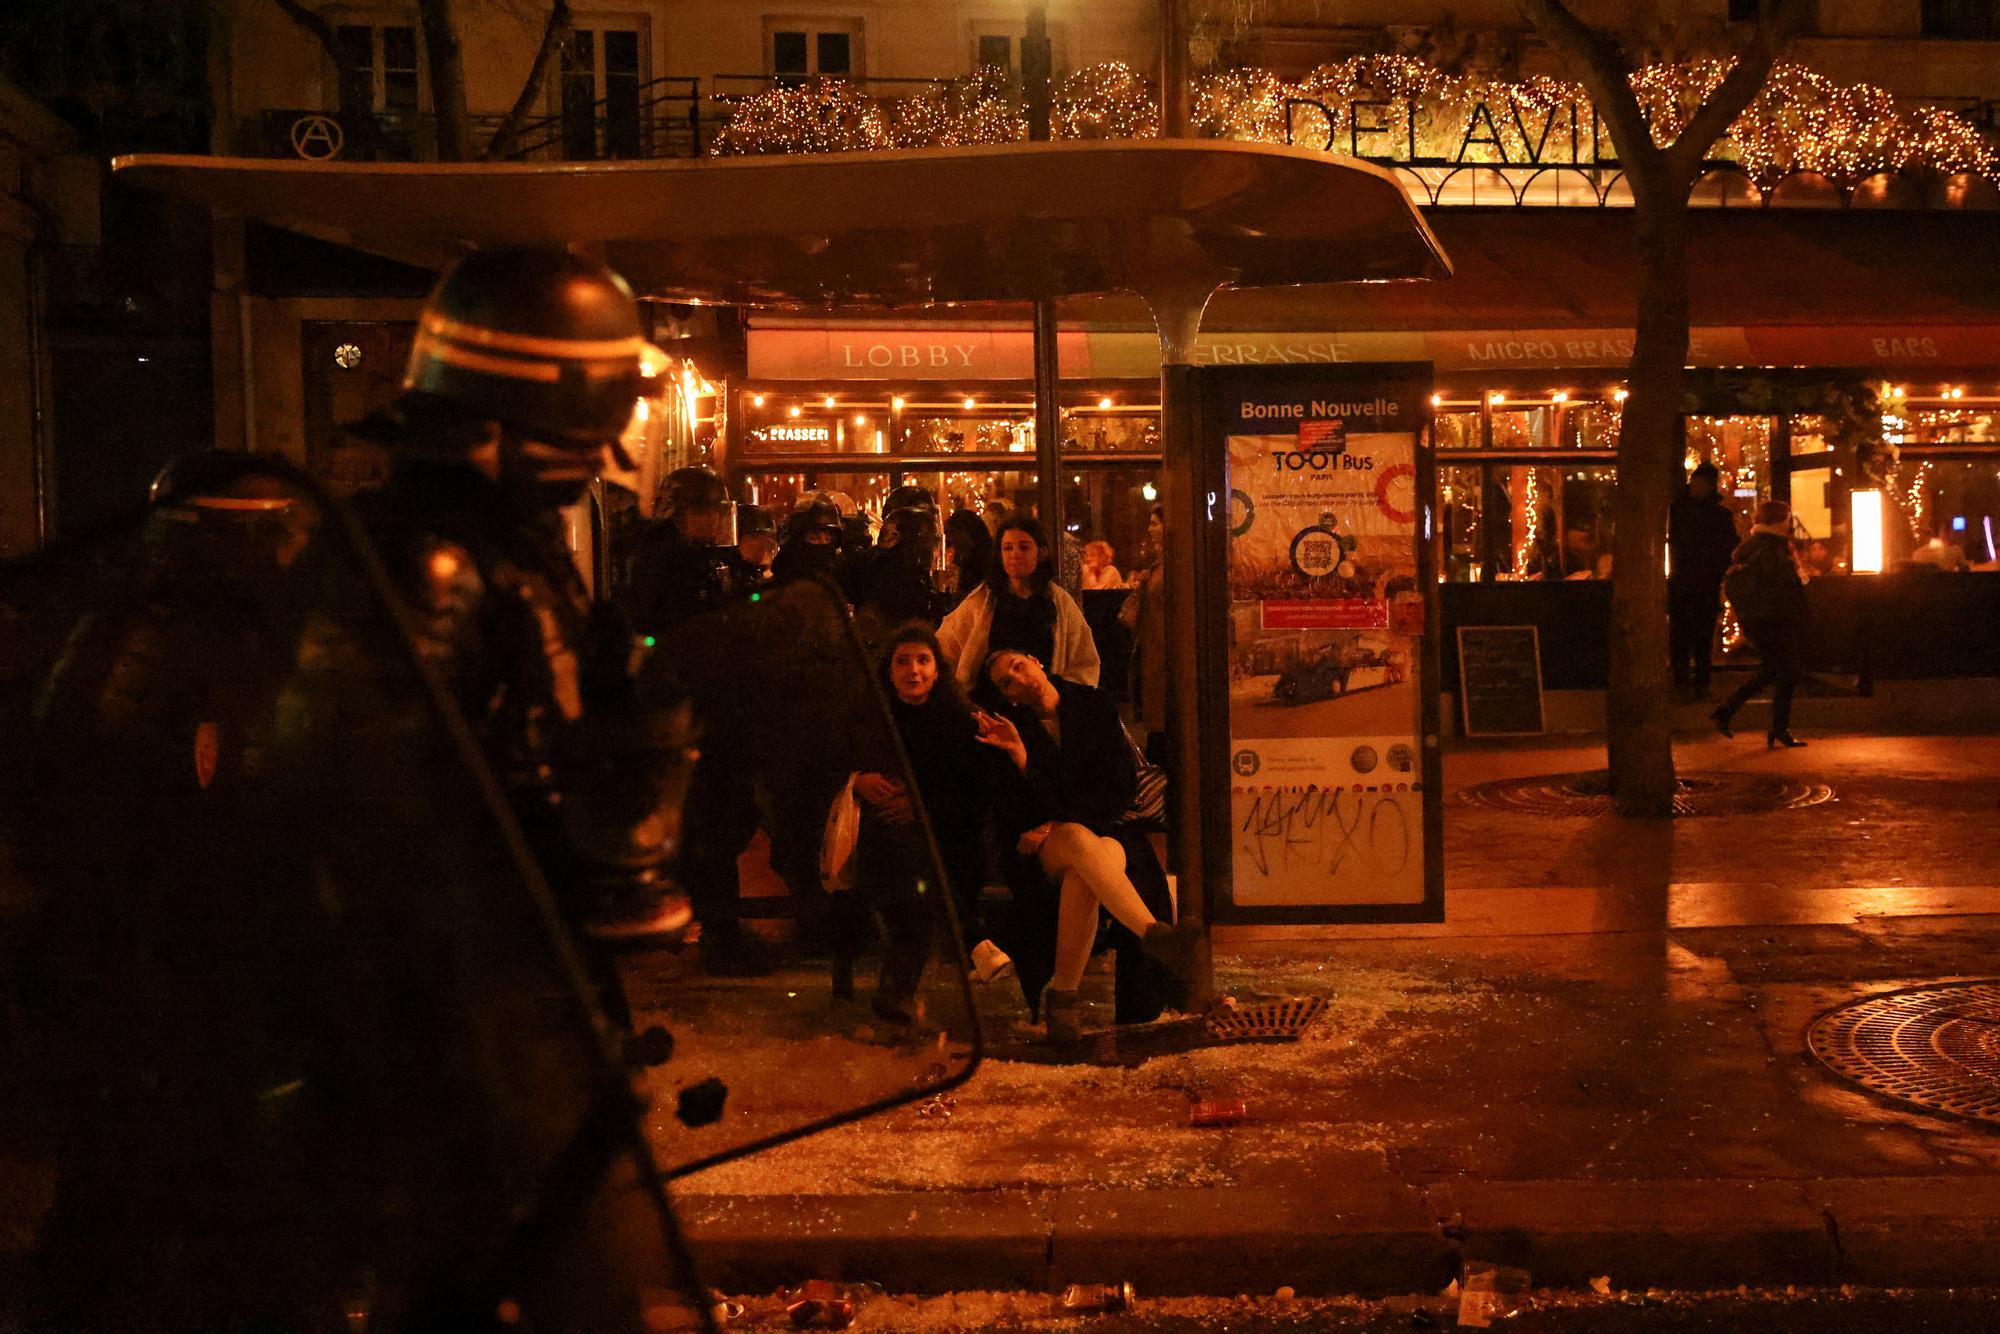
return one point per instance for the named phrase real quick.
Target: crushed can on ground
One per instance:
(1083, 1297)
(1212, 1112)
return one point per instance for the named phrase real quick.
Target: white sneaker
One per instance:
(989, 962)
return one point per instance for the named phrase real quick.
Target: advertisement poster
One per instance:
(1330, 662)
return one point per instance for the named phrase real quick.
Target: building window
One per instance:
(996, 50)
(382, 62)
(1959, 18)
(598, 97)
(800, 50)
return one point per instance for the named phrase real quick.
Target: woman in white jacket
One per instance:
(1020, 607)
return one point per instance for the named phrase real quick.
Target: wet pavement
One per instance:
(1597, 1065)
(1597, 1062)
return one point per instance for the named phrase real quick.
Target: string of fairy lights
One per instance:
(1802, 121)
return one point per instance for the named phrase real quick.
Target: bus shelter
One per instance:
(1173, 221)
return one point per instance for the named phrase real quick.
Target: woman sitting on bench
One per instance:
(1071, 850)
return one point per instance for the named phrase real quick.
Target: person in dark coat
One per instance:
(1071, 854)
(955, 778)
(1770, 599)
(1701, 539)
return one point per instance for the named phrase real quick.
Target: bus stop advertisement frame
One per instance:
(1319, 655)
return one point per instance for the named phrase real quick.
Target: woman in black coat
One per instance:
(955, 777)
(1764, 586)
(1072, 853)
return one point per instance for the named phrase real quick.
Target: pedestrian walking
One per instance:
(1701, 541)
(1764, 586)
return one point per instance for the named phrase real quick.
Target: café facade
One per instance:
(1832, 351)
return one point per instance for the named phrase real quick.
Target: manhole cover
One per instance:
(1696, 794)
(1938, 1046)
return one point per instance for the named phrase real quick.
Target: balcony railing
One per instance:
(660, 118)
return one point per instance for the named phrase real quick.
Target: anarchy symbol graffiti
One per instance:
(317, 138)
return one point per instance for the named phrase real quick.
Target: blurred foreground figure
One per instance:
(325, 1051)
(523, 376)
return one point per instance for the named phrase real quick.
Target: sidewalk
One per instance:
(1595, 1066)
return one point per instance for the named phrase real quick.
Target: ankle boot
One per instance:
(1173, 946)
(1781, 738)
(1722, 717)
(1062, 1011)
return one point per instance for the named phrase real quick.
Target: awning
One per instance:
(1533, 289)
(928, 227)
(956, 353)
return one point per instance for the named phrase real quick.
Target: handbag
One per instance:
(1148, 808)
(838, 841)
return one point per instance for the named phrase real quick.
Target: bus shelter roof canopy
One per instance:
(923, 227)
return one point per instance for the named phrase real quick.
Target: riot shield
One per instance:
(326, 1054)
(327, 1050)
(858, 997)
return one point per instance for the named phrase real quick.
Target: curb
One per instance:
(1370, 1239)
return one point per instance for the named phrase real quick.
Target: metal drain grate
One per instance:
(1287, 1018)
(1697, 794)
(1937, 1046)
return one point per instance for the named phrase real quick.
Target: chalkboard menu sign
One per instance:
(1500, 680)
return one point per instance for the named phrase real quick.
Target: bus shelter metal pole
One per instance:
(1048, 432)
(1037, 66)
(1177, 303)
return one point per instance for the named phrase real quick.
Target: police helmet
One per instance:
(692, 488)
(908, 496)
(755, 521)
(541, 340)
(821, 516)
(220, 479)
(911, 523)
(696, 501)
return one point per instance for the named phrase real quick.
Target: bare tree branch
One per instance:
(1777, 22)
(314, 24)
(1605, 73)
(554, 33)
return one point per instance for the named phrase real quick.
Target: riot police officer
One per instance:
(524, 373)
(317, 1068)
(812, 542)
(686, 562)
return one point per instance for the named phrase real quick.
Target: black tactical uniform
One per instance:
(321, 1047)
(685, 562)
(524, 371)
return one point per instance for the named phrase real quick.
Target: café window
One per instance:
(381, 60)
(800, 49)
(1943, 515)
(1515, 521)
(973, 446)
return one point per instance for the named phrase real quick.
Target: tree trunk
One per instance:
(554, 33)
(1638, 725)
(447, 70)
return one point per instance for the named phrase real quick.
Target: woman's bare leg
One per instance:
(1091, 868)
